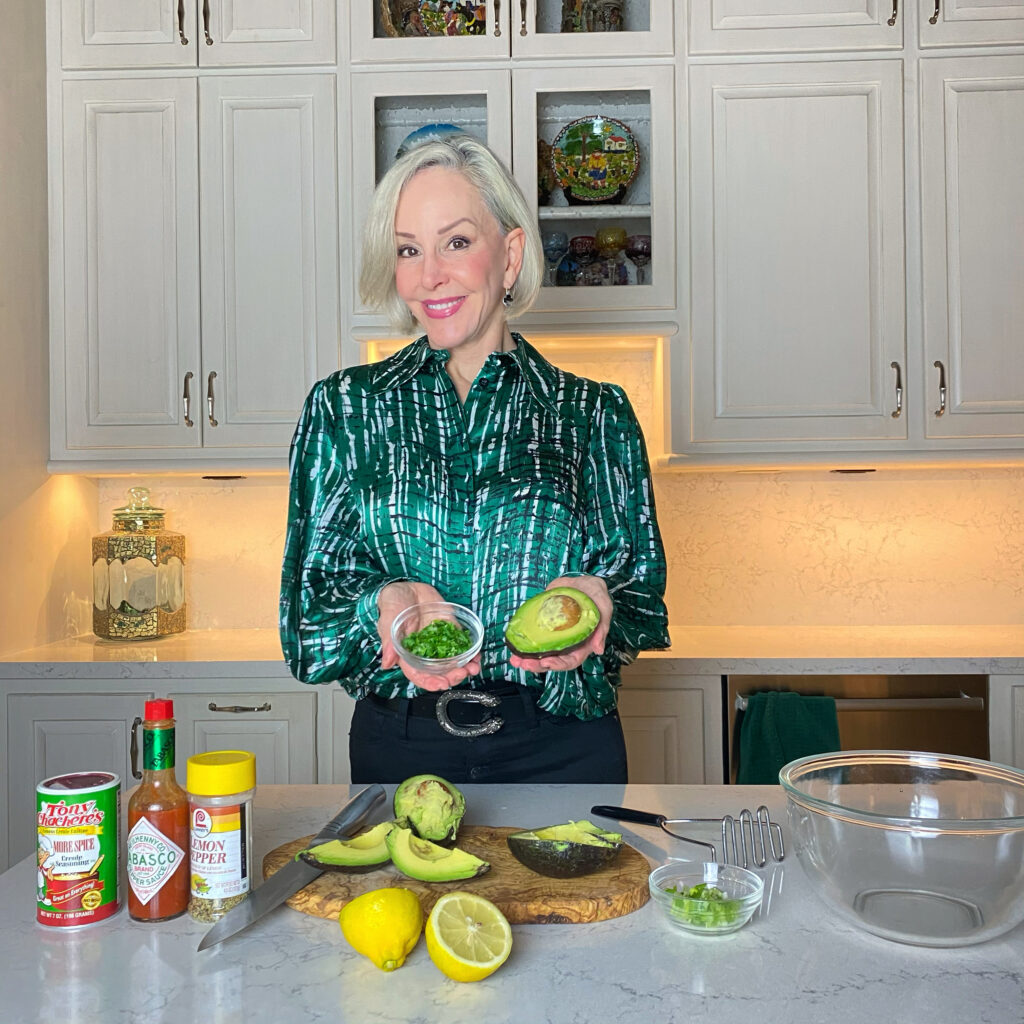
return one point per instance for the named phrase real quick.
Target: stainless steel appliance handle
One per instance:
(186, 398)
(237, 709)
(896, 413)
(942, 388)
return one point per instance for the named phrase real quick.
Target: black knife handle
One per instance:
(628, 814)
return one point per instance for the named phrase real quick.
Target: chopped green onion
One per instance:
(704, 905)
(438, 639)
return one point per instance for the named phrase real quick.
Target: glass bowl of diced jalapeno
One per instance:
(706, 899)
(437, 636)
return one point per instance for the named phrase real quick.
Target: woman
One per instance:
(467, 468)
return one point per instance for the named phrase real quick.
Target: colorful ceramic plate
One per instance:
(403, 18)
(427, 133)
(595, 158)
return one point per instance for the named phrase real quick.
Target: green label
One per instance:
(157, 749)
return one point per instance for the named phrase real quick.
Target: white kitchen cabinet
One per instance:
(753, 26)
(972, 243)
(672, 723)
(191, 33)
(199, 239)
(279, 728)
(380, 32)
(51, 734)
(970, 22)
(1006, 720)
(797, 253)
(387, 106)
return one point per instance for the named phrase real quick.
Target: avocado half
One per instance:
(565, 851)
(433, 807)
(428, 862)
(554, 621)
(363, 852)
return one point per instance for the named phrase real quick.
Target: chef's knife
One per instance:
(296, 874)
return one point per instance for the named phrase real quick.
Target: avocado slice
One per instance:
(433, 807)
(363, 852)
(567, 850)
(428, 862)
(554, 621)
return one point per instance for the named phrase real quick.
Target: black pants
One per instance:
(391, 740)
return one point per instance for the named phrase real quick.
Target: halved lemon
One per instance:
(468, 937)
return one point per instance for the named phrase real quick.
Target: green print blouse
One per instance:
(539, 474)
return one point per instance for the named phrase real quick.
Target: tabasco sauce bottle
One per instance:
(158, 868)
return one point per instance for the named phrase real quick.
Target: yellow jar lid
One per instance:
(220, 772)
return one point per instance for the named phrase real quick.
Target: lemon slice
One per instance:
(468, 937)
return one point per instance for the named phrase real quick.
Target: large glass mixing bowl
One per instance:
(921, 848)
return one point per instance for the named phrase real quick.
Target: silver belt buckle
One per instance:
(485, 728)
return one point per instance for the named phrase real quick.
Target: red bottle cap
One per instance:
(158, 710)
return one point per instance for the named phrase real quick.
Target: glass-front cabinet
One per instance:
(595, 162)
(424, 30)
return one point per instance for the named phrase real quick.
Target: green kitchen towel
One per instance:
(780, 726)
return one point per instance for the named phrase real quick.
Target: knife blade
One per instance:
(296, 874)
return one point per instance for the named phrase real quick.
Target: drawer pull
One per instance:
(522, 17)
(899, 391)
(181, 23)
(895, 11)
(935, 14)
(237, 709)
(206, 22)
(209, 398)
(186, 398)
(497, 18)
(942, 388)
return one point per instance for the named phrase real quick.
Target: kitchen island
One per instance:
(795, 963)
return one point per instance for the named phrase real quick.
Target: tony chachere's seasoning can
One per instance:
(78, 851)
(220, 785)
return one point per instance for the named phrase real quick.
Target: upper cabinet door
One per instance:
(796, 201)
(970, 22)
(187, 33)
(131, 288)
(402, 31)
(267, 32)
(128, 33)
(788, 26)
(268, 216)
(972, 223)
(592, 28)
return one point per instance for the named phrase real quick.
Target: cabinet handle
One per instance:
(237, 709)
(899, 390)
(209, 397)
(895, 11)
(497, 18)
(206, 22)
(186, 398)
(181, 22)
(935, 14)
(942, 388)
(134, 749)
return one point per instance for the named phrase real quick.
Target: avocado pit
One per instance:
(555, 621)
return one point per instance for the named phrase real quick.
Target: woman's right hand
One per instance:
(392, 600)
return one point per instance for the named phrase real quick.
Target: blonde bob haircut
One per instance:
(501, 195)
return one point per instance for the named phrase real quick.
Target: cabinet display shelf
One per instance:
(605, 211)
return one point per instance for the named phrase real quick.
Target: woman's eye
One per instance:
(459, 242)
(405, 251)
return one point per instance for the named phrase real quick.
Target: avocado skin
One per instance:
(526, 637)
(364, 852)
(565, 851)
(427, 862)
(433, 807)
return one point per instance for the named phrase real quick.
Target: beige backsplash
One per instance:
(900, 546)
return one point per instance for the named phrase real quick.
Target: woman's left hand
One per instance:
(597, 590)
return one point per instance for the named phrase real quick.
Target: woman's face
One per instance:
(453, 263)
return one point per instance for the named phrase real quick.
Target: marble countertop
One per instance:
(795, 963)
(698, 650)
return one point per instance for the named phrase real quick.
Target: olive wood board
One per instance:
(522, 895)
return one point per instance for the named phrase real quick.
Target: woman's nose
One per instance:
(433, 271)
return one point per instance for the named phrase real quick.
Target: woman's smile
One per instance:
(438, 309)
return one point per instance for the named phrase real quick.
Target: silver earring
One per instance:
(507, 299)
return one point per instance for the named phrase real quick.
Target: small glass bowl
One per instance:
(743, 889)
(419, 615)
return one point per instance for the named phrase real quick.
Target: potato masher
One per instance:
(746, 838)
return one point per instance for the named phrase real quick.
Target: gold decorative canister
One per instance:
(138, 574)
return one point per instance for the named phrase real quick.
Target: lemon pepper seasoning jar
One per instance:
(221, 785)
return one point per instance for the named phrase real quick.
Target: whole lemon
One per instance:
(383, 924)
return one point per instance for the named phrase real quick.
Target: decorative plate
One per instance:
(595, 158)
(402, 18)
(426, 133)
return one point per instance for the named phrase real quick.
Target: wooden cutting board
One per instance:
(523, 896)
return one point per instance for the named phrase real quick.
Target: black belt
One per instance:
(513, 701)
